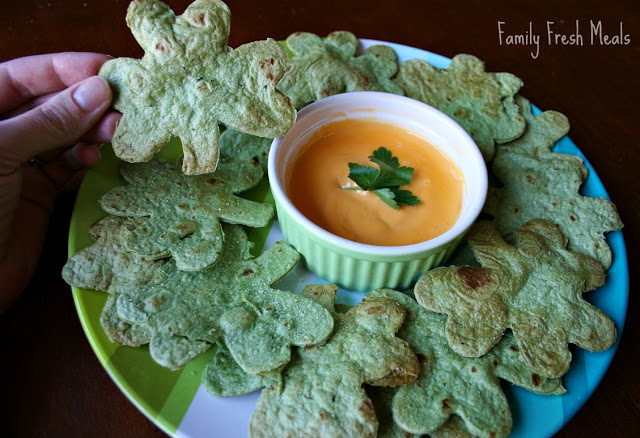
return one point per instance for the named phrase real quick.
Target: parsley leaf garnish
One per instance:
(384, 182)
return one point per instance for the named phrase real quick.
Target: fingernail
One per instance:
(92, 93)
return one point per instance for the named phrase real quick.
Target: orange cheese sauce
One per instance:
(321, 169)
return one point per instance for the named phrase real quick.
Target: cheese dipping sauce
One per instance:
(315, 180)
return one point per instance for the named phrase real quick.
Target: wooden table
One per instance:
(51, 382)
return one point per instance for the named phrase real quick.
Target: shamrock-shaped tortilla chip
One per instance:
(184, 211)
(107, 261)
(535, 288)
(482, 103)
(188, 80)
(107, 264)
(540, 184)
(231, 302)
(321, 392)
(450, 384)
(322, 67)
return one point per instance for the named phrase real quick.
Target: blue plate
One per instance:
(177, 402)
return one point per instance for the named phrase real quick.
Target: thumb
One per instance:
(60, 121)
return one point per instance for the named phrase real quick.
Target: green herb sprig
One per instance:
(386, 181)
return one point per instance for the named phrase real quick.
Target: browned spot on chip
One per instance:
(377, 310)
(516, 210)
(158, 300)
(421, 357)
(267, 66)
(473, 278)
(530, 179)
(363, 79)
(474, 369)
(446, 404)
(513, 348)
(203, 87)
(200, 20)
(573, 218)
(535, 379)
(136, 82)
(492, 433)
(183, 227)
(248, 271)
(367, 409)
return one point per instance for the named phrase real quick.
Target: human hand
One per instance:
(51, 108)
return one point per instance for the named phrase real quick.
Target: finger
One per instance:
(81, 156)
(58, 122)
(29, 105)
(102, 132)
(23, 79)
(63, 168)
(52, 154)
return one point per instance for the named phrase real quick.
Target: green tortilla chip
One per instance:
(184, 212)
(452, 385)
(382, 398)
(223, 377)
(245, 148)
(231, 302)
(120, 331)
(321, 393)
(482, 103)
(107, 261)
(188, 80)
(322, 67)
(540, 184)
(535, 288)
(107, 265)
(387, 428)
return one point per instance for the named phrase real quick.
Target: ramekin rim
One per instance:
(461, 225)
